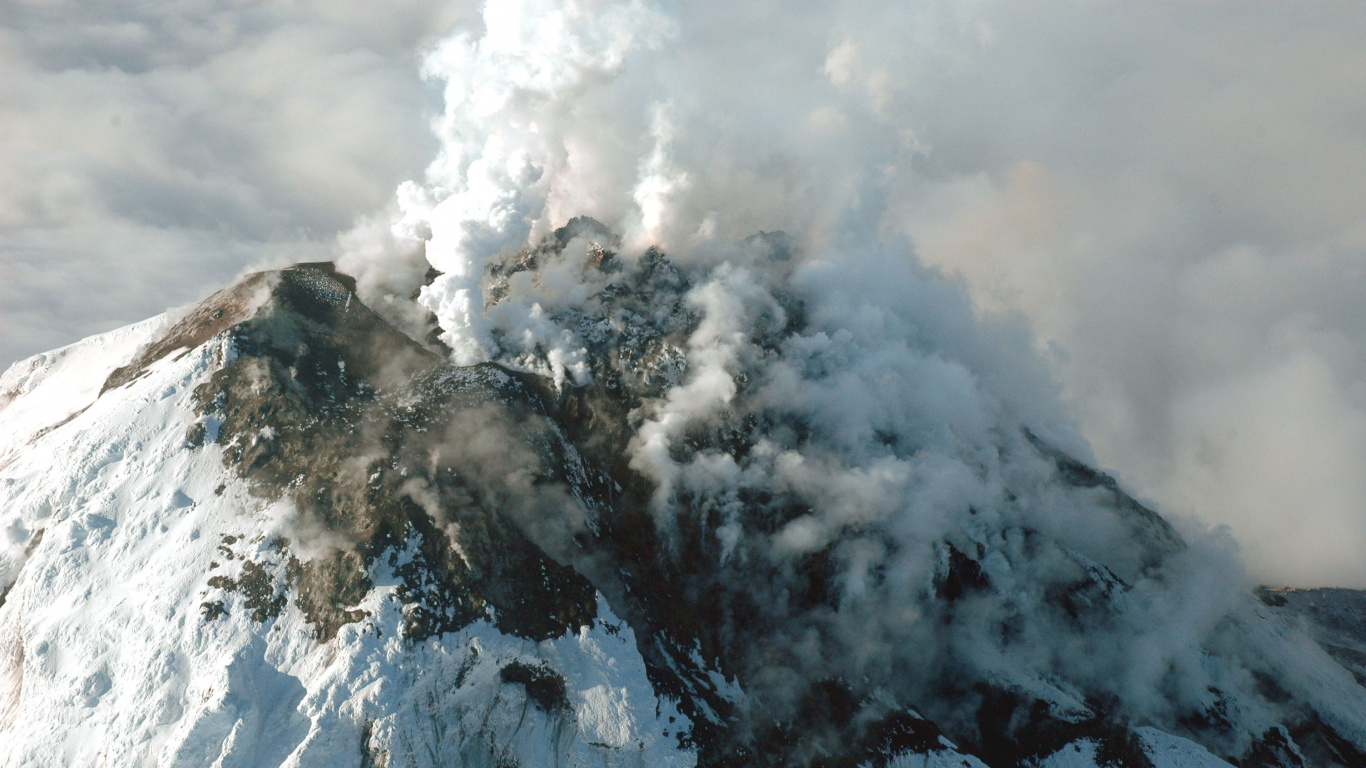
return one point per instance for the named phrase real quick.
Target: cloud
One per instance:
(1171, 195)
(152, 152)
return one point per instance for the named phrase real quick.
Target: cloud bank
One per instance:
(152, 151)
(1169, 197)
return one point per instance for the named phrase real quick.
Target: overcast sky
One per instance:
(1173, 195)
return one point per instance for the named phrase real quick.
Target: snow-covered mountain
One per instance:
(666, 524)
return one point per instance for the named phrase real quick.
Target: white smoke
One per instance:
(895, 415)
(938, 125)
(507, 138)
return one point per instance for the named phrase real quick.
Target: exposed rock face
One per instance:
(373, 557)
(378, 442)
(257, 555)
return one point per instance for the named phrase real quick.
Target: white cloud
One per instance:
(1171, 194)
(150, 152)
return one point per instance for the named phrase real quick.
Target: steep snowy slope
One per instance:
(116, 648)
(1336, 618)
(43, 391)
(280, 532)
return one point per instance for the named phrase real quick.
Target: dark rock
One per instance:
(544, 687)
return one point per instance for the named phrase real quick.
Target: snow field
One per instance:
(113, 526)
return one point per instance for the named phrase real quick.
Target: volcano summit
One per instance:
(752, 511)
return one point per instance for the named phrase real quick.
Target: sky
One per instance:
(1171, 197)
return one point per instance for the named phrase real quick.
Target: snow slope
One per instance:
(44, 390)
(113, 528)
(1162, 748)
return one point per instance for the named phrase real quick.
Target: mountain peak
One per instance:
(314, 289)
(684, 553)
